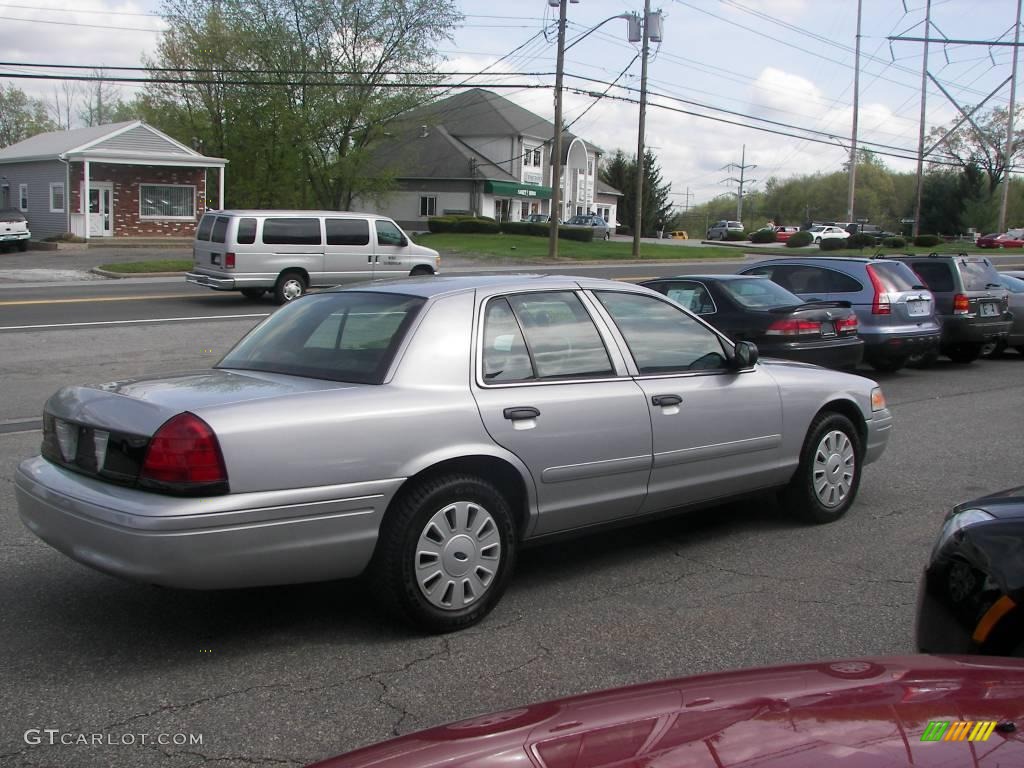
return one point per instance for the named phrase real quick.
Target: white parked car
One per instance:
(820, 233)
(14, 229)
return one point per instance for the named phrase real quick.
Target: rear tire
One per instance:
(963, 353)
(446, 551)
(253, 293)
(922, 360)
(887, 364)
(826, 481)
(23, 245)
(993, 348)
(290, 286)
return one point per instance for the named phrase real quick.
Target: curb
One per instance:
(122, 275)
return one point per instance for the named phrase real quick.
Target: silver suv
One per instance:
(720, 229)
(895, 310)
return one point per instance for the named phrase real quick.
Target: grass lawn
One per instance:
(529, 248)
(157, 265)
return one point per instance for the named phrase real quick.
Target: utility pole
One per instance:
(638, 216)
(1008, 154)
(856, 102)
(920, 140)
(556, 145)
(742, 180)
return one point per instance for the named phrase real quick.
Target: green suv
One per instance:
(969, 299)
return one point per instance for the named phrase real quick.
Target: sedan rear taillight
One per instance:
(184, 457)
(880, 304)
(794, 328)
(961, 305)
(847, 325)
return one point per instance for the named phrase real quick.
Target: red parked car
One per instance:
(921, 711)
(782, 234)
(1011, 239)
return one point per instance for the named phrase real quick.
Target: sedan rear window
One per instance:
(760, 293)
(346, 336)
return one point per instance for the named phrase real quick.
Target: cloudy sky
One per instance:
(783, 65)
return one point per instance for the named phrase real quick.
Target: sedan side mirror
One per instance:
(745, 355)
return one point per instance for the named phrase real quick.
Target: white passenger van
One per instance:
(289, 251)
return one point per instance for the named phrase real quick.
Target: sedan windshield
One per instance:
(760, 293)
(345, 336)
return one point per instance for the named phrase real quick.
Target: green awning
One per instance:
(511, 189)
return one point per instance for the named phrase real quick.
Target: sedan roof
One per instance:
(430, 286)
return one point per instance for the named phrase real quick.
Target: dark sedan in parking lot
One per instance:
(779, 322)
(973, 586)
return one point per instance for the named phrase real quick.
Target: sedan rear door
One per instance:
(552, 390)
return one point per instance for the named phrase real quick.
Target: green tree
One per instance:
(656, 211)
(21, 116)
(982, 147)
(295, 92)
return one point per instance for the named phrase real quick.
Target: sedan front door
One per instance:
(717, 430)
(551, 391)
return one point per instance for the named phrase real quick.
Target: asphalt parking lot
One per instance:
(283, 676)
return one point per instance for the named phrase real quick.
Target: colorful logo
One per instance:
(958, 730)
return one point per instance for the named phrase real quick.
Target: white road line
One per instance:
(128, 322)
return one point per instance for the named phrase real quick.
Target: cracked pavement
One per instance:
(288, 675)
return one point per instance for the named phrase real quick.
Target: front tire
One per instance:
(421, 271)
(826, 481)
(446, 552)
(290, 286)
(817, 241)
(963, 353)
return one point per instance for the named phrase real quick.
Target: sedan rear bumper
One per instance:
(833, 353)
(237, 540)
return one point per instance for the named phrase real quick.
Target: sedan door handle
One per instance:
(666, 400)
(521, 413)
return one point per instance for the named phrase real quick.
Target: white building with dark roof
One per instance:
(477, 152)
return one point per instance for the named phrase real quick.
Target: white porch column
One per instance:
(85, 198)
(220, 187)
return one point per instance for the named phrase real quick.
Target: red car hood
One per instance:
(867, 713)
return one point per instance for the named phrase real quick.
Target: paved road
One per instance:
(279, 677)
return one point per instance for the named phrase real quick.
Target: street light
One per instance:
(648, 28)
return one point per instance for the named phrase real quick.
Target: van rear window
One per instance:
(220, 230)
(291, 231)
(203, 233)
(347, 231)
(246, 231)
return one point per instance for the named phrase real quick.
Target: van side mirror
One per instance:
(745, 355)
(404, 241)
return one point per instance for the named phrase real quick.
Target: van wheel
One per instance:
(253, 293)
(23, 245)
(290, 285)
(420, 271)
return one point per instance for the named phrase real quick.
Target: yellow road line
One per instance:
(99, 298)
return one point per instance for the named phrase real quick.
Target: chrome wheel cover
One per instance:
(457, 555)
(291, 289)
(834, 466)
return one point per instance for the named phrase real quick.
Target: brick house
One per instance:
(138, 182)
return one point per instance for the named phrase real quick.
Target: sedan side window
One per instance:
(662, 338)
(693, 296)
(562, 337)
(505, 357)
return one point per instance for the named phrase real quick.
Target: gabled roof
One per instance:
(436, 155)
(132, 141)
(477, 112)
(607, 189)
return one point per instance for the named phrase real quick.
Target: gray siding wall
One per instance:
(38, 175)
(498, 149)
(139, 140)
(403, 204)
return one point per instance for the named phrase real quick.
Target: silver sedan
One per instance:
(423, 430)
